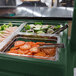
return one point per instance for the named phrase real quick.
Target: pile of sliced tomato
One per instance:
(31, 48)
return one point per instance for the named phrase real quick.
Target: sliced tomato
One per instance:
(20, 52)
(25, 47)
(25, 52)
(50, 52)
(19, 43)
(35, 45)
(14, 48)
(40, 54)
(31, 43)
(30, 53)
(34, 50)
(12, 51)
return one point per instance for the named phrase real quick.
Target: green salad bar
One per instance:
(37, 47)
(33, 49)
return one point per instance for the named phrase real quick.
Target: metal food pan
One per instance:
(20, 25)
(10, 44)
(54, 37)
(44, 23)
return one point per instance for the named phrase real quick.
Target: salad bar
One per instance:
(35, 44)
(44, 47)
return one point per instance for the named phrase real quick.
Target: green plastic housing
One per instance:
(72, 43)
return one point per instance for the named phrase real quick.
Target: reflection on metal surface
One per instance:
(29, 11)
(61, 12)
(44, 12)
(70, 9)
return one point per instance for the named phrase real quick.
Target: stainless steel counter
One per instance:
(58, 12)
(62, 12)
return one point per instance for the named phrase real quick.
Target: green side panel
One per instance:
(6, 73)
(72, 45)
(30, 68)
(73, 33)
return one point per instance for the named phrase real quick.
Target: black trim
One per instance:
(38, 18)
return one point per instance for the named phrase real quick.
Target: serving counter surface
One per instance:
(44, 12)
(58, 12)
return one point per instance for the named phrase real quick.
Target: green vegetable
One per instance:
(57, 27)
(45, 26)
(27, 27)
(38, 23)
(0, 28)
(50, 31)
(32, 25)
(4, 26)
(38, 26)
(7, 26)
(40, 32)
(10, 24)
(30, 31)
(1, 32)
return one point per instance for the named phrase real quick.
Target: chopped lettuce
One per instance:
(0, 28)
(38, 23)
(1, 32)
(50, 31)
(10, 24)
(32, 25)
(27, 27)
(38, 28)
(4, 26)
(29, 31)
(57, 27)
(45, 26)
(40, 32)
